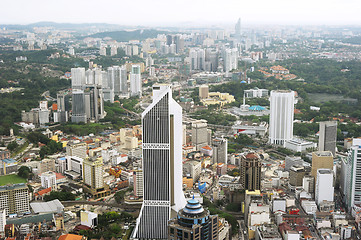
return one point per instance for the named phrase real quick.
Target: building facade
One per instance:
(281, 116)
(162, 165)
(327, 136)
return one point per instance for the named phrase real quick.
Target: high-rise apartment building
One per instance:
(77, 78)
(14, 198)
(48, 179)
(324, 186)
(93, 177)
(199, 134)
(281, 116)
(117, 79)
(193, 222)
(138, 182)
(250, 172)
(351, 176)
(320, 160)
(327, 136)
(135, 81)
(162, 165)
(230, 59)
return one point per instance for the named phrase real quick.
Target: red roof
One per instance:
(70, 237)
(207, 147)
(44, 191)
(59, 176)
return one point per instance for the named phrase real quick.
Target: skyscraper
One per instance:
(250, 172)
(162, 165)
(351, 175)
(327, 136)
(237, 34)
(135, 81)
(78, 106)
(94, 102)
(220, 146)
(77, 78)
(281, 116)
(199, 134)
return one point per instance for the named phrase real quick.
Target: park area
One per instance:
(11, 179)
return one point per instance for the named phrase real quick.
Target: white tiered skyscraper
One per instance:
(281, 117)
(162, 165)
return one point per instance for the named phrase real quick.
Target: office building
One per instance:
(48, 179)
(77, 78)
(350, 178)
(74, 167)
(321, 160)
(327, 137)
(220, 146)
(77, 149)
(296, 176)
(94, 103)
(135, 81)
(93, 177)
(193, 222)
(162, 165)
(324, 186)
(281, 117)
(117, 80)
(78, 107)
(46, 165)
(197, 59)
(14, 198)
(250, 172)
(203, 92)
(199, 134)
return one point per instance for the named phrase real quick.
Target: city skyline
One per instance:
(161, 13)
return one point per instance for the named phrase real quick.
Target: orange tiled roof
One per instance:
(59, 176)
(207, 147)
(70, 237)
(44, 191)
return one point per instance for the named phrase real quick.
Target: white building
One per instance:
(281, 117)
(230, 59)
(324, 185)
(48, 179)
(192, 168)
(299, 145)
(135, 81)
(310, 207)
(88, 219)
(162, 165)
(256, 93)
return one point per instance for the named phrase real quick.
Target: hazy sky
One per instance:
(168, 12)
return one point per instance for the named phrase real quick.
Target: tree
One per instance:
(24, 172)
(12, 146)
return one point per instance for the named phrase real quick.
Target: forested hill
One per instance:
(124, 36)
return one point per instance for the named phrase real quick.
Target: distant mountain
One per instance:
(65, 26)
(125, 36)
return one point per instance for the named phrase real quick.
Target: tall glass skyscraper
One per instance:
(162, 165)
